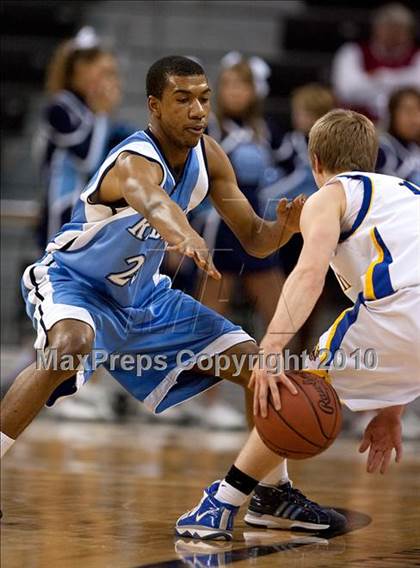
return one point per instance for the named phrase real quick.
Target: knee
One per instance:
(64, 356)
(73, 344)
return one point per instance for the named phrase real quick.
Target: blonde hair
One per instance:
(314, 98)
(344, 140)
(60, 70)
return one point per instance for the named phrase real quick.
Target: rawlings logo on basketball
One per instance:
(324, 397)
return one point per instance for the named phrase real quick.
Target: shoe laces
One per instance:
(301, 499)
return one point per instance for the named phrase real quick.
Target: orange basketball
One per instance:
(307, 423)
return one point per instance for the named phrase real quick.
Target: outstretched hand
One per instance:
(382, 435)
(195, 247)
(288, 213)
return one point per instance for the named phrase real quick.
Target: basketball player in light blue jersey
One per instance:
(98, 290)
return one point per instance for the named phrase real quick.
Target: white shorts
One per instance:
(372, 352)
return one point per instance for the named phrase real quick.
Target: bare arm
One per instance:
(258, 237)
(320, 224)
(138, 183)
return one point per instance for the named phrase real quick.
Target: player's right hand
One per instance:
(195, 247)
(381, 437)
(265, 382)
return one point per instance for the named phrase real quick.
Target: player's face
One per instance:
(407, 118)
(184, 108)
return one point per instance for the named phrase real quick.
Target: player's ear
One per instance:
(154, 105)
(316, 165)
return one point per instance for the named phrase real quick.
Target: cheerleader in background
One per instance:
(247, 138)
(399, 150)
(239, 127)
(76, 131)
(75, 134)
(292, 174)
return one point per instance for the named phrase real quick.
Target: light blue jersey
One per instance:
(102, 268)
(113, 248)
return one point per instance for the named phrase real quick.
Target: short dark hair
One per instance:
(162, 69)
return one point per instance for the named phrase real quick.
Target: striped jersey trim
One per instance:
(368, 192)
(377, 279)
(415, 189)
(339, 329)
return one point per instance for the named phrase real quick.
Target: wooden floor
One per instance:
(106, 495)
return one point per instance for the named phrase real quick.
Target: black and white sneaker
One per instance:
(284, 507)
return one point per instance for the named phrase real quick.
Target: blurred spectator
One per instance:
(399, 150)
(293, 173)
(76, 131)
(364, 74)
(75, 134)
(239, 127)
(293, 176)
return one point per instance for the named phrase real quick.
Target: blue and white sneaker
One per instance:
(210, 519)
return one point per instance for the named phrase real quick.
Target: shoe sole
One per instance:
(271, 522)
(203, 533)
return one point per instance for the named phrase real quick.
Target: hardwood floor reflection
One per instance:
(98, 495)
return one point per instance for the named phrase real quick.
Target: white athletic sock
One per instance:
(5, 443)
(228, 494)
(278, 476)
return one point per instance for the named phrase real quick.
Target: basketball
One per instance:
(307, 423)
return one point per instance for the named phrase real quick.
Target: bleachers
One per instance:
(30, 31)
(144, 31)
(307, 44)
(321, 30)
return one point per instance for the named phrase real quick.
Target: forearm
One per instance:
(162, 213)
(264, 237)
(298, 298)
(392, 411)
(170, 222)
(320, 225)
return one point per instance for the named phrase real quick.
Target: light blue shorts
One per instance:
(146, 349)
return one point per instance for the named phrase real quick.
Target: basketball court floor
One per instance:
(107, 495)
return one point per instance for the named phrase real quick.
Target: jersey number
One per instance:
(128, 276)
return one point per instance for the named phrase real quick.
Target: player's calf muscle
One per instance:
(241, 365)
(33, 386)
(235, 364)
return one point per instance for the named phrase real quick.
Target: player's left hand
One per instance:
(382, 435)
(288, 213)
(265, 382)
